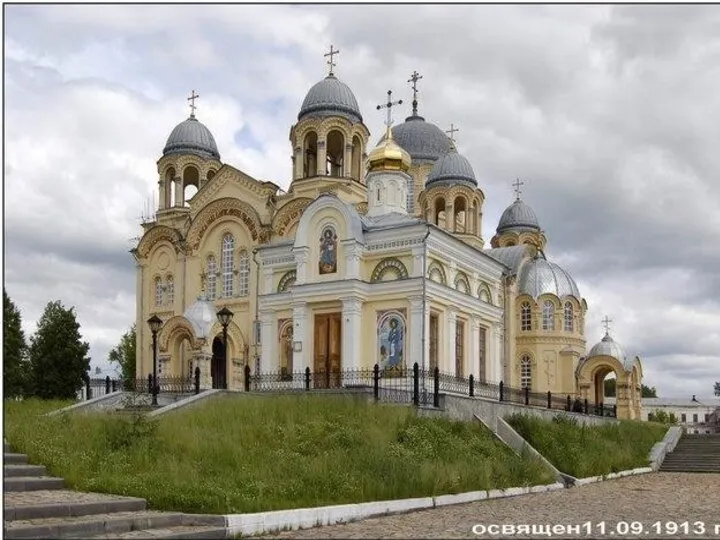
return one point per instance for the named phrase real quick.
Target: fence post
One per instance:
(197, 379)
(527, 395)
(416, 384)
(107, 384)
(615, 411)
(586, 406)
(376, 382)
(549, 400)
(88, 392)
(601, 409)
(114, 385)
(472, 385)
(150, 383)
(501, 390)
(436, 389)
(247, 377)
(569, 403)
(307, 378)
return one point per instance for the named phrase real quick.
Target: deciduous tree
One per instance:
(124, 354)
(15, 365)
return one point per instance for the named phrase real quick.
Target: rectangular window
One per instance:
(482, 354)
(244, 274)
(707, 418)
(433, 341)
(683, 418)
(695, 418)
(459, 348)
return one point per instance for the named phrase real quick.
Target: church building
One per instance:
(375, 254)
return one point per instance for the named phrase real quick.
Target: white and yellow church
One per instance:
(374, 254)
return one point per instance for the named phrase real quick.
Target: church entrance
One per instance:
(327, 350)
(218, 365)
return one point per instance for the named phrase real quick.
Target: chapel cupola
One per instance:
(387, 177)
(519, 225)
(190, 159)
(329, 138)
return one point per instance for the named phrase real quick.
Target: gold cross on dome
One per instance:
(452, 131)
(191, 99)
(517, 183)
(330, 62)
(606, 323)
(389, 105)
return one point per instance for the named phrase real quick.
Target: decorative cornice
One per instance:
(158, 234)
(218, 209)
(288, 213)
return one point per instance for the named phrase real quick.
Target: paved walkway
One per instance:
(661, 502)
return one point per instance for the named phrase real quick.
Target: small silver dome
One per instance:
(540, 276)
(201, 315)
(330, 97)
(608, 347)
(191, 137)
(425, 142)
(451, 169)
(518, 216)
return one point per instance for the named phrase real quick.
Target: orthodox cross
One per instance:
(517, 183)
(606, 323)
(191, 99)
(414, 78)
(330, 62)
(452, 131)
(390, 103)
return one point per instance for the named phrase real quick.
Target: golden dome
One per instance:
(388, 156)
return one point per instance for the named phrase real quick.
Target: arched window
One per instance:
(211, 277)
(568, 317)
(158, 292)
(525, 317)
(228, 247)
(244, 273)
(548, 319)
(525, 373)
(170, 290)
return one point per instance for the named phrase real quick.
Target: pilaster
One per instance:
(353, 254)
(415, 334)
(302, 254)
(163, 194)
(417, 266)
(269, 360)
(300, 336)
(298, 163)
(352, 346)
(474, 348)
(179, 192)
(347, 161)
(268, 274)
(447, 364)
(321, 158)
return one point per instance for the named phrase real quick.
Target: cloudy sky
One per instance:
(609, 114)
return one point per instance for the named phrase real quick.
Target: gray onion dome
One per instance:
(192, 137)
(330, 97)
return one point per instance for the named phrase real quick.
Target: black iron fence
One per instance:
(400, 385)
(95, 387)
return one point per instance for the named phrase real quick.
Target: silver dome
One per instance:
(452, 168)
(330, 97)
(191, 137)
(425, 142)
(608, 347)
(518, 216)
(540, 276)
(201, 315)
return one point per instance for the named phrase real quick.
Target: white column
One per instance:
(495, 365)
(300, 334)
(321, 158)
(417, 266)
(448, 363)
(269, 360)
(301, 258)
(474, 348)
(299, 163)
(347, 161)
(452, 272)
(163, 193)
(353, 252)
(268, 274)
(415, 333)
(352, 344)
(179, 199)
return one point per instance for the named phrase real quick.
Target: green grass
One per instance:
(583, 451)
(247, 454)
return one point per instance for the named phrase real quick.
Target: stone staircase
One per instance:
(38, 506)
(694, 453)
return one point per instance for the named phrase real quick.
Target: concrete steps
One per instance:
(38, 506)
(694, 453)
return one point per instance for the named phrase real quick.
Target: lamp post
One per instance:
(155, 323)
(224, 317)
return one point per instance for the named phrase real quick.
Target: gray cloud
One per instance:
(608, 113)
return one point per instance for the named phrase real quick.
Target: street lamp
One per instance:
(155, 323)
(224, 317)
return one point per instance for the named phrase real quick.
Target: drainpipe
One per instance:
(256, 322)
(424, 304)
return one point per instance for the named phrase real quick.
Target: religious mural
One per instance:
(285, 339)
(328, 251)
(391, 340)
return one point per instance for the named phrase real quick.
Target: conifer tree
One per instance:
(15, 365)
(58, 356)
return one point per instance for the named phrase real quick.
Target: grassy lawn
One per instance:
(254, 453)
(583, 451)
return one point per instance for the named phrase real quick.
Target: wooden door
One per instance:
(328, 347)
